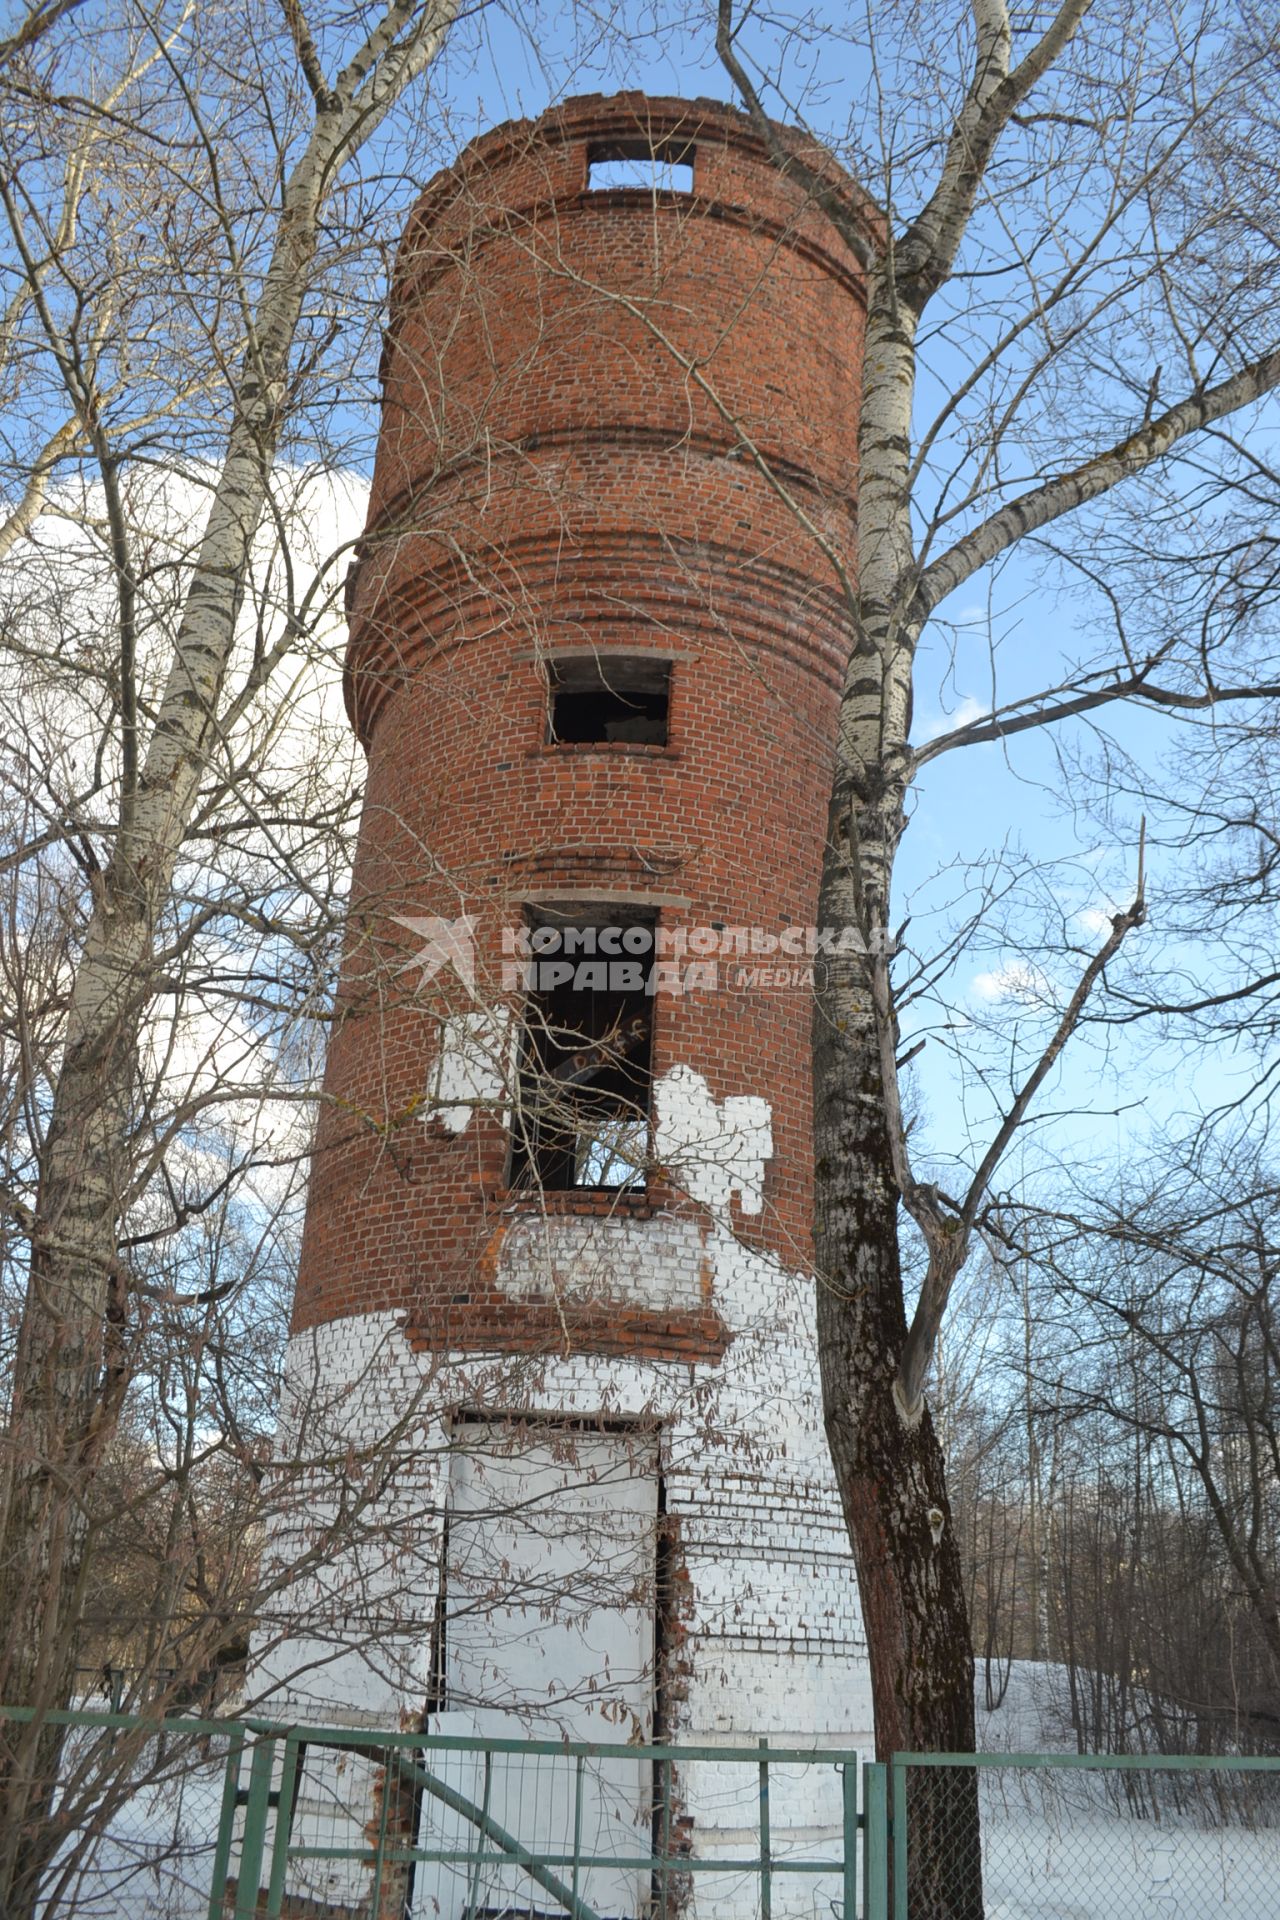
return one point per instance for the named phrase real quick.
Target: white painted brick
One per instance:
(774, 1642)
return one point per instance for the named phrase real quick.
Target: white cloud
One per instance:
(1016, 980)
(204, 1050)
(57, 592)
(964, 715)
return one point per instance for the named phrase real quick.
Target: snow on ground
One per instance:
(1033, 1716)
(1069, 1845)
(155, 1860)
(1060, 1844)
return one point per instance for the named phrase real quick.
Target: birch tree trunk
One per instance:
(888, 1465)
(70, 1373)
(874, 1355)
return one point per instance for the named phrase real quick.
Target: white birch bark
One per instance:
(67, 1382)
(887, 1459)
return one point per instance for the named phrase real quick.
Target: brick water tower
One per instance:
(555, 1315)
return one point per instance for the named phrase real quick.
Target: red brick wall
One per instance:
(551, 475)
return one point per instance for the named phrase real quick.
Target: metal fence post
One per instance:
(284, 1822)
(875, 1842)
(253, 1839)
(384, 1817)
(473, 1883)
(766, 1860)
(898, 1835)
(226, 1825)
(578, 1771)
(849, 1784)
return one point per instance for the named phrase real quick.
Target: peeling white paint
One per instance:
(711, 1149)
(473, 1067)
(748, 1479)
(772, 1641)
(656, 1263)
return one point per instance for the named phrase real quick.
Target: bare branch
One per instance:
(1148, 443)
(1023, 715)
(948, 1238)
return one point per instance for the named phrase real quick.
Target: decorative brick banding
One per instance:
(550, 477)
(553, 479)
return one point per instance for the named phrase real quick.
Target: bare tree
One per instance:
(1069, 284)
(1162, 1297)
(179, 237)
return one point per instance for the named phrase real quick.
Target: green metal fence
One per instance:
(461, 1828)
(232, 1820)
(343, 1823)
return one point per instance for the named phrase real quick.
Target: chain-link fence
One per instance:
(244, 1820)
(132, 1827)
(236, 1820)
(338, 1824)
(1038, 1837)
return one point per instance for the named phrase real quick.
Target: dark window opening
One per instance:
(657, 166)
(610, 698)
(581, 1118)
(437, 1700)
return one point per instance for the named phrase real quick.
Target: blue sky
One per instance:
(1006, 801)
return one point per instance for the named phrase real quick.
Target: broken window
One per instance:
(609, 698)
(660, 166)
(581, 1117)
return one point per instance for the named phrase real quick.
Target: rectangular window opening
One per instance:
(609, 699)
(657, 166)
(581, 1117)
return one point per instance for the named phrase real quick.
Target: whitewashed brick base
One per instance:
(773, 1642)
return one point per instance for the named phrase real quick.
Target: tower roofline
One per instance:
(664, 119)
